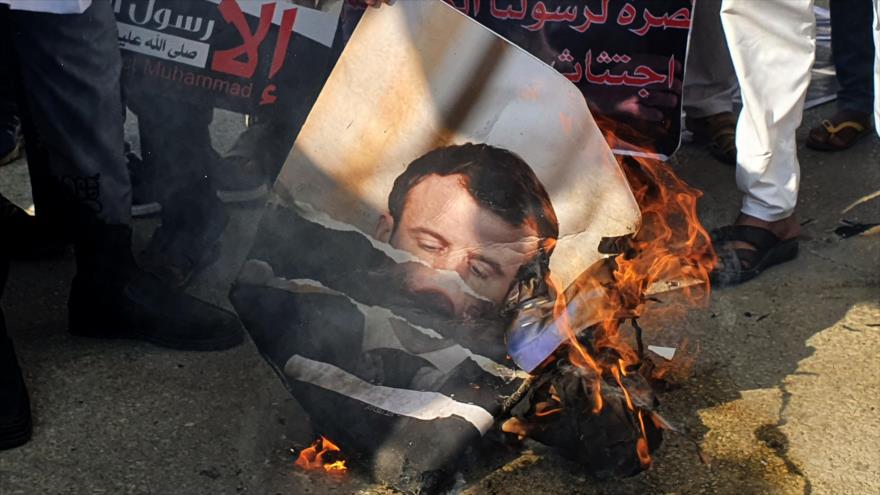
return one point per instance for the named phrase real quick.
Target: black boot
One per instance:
(193, 221)
(112, 298)
(15, 409)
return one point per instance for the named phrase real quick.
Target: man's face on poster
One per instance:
(470, 255)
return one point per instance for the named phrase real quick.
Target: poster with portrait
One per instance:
(441, 169)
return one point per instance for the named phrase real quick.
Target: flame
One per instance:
(629, 402)
(642, 444)
(312, 457)
(671, 246)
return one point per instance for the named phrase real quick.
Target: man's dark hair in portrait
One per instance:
(499, 179)
(474, 209)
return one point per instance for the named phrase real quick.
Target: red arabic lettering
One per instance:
(509, 13)
(466, 7)
(578, 73)
(592, 18)
(627, 15)
(681, 19)
(541, 16)
(646, 76)
(267, 97)
(225, 60)
(288, 19)
(641, 76)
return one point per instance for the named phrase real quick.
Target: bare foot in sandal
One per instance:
(752, 245)
(840, 131)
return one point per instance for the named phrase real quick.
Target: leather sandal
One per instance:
(838, 136)
(738, 265)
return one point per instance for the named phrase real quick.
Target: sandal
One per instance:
(741, 265)
(838, 136)
(719, 131)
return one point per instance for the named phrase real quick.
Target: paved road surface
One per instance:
(783, 396)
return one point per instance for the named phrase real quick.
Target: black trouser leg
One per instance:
(176, 148)
(69, 68)
(852, 46)
(8, 111)
(15, 417)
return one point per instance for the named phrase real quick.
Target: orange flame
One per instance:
(642, 444)
(671, 246)
(312, 457)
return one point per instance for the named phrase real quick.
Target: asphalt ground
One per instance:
(783, 394)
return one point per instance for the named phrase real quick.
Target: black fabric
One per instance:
(852, 46)
(69, 100)
(111, 297)
(15, 416)
(175, 142)
(8, 110)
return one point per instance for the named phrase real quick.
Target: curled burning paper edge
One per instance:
(666, 353)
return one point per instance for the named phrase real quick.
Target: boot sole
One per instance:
(18, 432)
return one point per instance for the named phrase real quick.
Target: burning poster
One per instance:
(441, 179)
(626, 56)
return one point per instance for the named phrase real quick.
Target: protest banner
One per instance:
(626, 57)
(225, 53)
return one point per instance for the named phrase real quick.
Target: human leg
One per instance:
(772, 48)
(73, 120)
(177, 152)
(10, 128)
(710, 80)
(710, 83)
(15, 413)
(853, 49)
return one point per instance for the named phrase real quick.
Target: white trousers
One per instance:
(772, 44)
